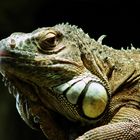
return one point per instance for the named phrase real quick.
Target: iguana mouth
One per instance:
(4, 53)
(37, 61)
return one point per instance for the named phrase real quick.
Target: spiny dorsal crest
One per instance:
(71, 31)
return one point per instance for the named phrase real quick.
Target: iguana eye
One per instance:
(48, 41)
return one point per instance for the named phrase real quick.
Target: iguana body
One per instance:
(67, 84)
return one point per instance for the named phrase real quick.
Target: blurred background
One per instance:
(119, 21)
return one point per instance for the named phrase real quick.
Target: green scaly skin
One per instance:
(39, 64)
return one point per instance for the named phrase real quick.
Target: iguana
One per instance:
(72, 87)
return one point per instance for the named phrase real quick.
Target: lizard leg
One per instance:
(125, 126)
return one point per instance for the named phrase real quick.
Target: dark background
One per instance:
(119, 21)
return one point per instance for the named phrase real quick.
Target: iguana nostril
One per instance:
(12, 43)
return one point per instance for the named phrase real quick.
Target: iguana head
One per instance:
(47, 54)
(47, 63)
